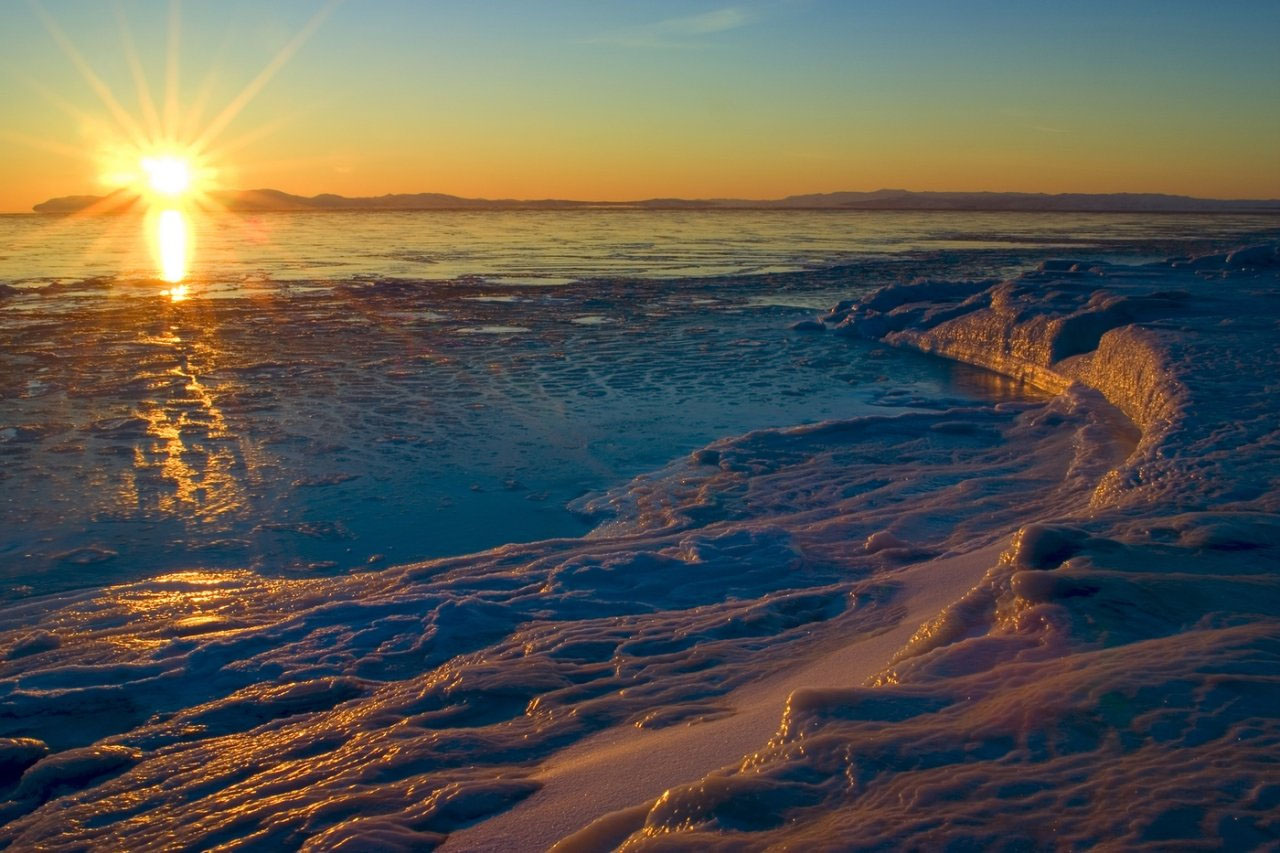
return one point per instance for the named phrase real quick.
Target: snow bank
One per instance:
(1112, 679)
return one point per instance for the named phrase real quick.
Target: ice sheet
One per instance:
(1033, 622)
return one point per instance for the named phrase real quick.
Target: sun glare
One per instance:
(168, 175)
(161, 163)
(171, 245)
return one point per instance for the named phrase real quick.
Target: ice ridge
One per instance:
(1111, 680)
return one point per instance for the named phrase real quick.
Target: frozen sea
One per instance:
(353, 389)
(661, 529)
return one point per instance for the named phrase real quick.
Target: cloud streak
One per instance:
(679, 32)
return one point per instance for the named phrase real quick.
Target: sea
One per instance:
(334, 391)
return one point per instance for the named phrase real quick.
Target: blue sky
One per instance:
(628, 99)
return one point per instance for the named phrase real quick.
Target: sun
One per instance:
(161, 164)
(167, 175)
(172, 186)
(159, 174)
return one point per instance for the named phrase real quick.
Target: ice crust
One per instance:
(1110, 679)
(311, 432)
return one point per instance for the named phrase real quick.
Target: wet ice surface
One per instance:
(1102, 672)
(236, 252)
(380, 421)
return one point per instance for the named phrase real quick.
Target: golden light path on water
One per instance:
(171, 240)
(168, 179)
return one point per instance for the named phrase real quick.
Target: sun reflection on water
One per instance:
(201, 476)
(171, 241)
(164, 162)
(184, 604)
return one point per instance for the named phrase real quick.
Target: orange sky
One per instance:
(622, 101)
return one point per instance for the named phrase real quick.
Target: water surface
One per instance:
(344, 390)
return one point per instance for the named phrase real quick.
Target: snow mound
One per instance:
(1112, 678)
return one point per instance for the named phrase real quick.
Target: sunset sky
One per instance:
(623, 100)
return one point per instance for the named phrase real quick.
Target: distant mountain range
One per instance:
(275, 200)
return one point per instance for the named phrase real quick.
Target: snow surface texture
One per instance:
(1109, 677)
(1112, 680)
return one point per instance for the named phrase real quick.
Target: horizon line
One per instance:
(820, 200)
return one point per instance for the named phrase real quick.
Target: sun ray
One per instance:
(112, 203)
(118, 228)
(127, 124)
(255, 86)
(200, 101)
(254, 134)
(69, 151)
(285, 162)
(171, 71)
(145, 102)
(84, 118)
(159, 161)
(105, 205)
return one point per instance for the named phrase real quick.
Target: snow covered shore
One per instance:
(1021, 624)
(1112, 679)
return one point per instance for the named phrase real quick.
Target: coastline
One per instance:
(1124, 575)
(264, 199)
(1074, 590)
